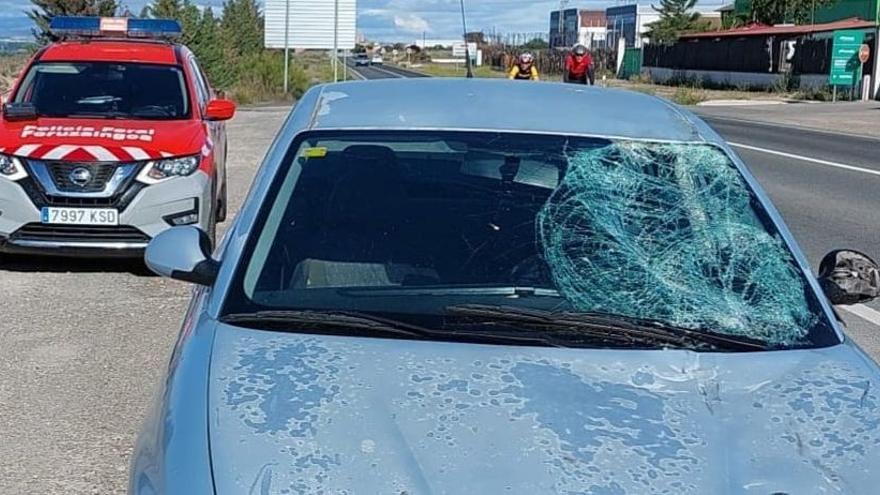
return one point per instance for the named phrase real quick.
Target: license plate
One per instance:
(80, 216)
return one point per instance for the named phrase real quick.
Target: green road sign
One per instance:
(845, 65)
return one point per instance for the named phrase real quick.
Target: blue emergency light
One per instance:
(114, 26)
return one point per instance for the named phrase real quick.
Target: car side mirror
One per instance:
(849, 277)
(183, 253)
(19, 111)
(219, 110)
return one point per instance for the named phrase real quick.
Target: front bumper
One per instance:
(140, 219)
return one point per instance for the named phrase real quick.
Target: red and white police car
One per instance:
(110, 136)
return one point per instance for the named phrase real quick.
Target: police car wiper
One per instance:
(98, 115)
(615, 330)
(342, 322)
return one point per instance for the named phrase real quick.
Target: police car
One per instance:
(109, 137)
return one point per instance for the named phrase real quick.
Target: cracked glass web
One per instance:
(667, 232)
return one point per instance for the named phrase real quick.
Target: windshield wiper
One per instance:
(616, 330)
(97, 115)
(511, 291)
(342, 322)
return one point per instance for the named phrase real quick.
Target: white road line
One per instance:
(787, 126)
(356, 74)
(807, 159)
(863, 312)
(401, 76)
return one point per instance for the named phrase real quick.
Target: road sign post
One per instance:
(864, 55)
(845, 58)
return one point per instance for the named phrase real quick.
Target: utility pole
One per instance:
(335, 40)
(467, 50)
(286, 45)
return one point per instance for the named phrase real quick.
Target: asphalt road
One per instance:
(83, 345)
(382, 72)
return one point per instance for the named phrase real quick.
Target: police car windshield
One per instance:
(106, 90)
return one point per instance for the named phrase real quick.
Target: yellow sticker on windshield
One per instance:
(315, 152)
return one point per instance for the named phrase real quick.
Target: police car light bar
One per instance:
(114, 26)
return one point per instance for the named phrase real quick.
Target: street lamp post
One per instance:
(467, 50)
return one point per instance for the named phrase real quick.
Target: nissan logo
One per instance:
(80, 176)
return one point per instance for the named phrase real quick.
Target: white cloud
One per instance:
(411, 23)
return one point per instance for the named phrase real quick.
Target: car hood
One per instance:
(315, 414)
(102, 140)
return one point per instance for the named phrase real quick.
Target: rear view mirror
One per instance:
(849, 277)
(219, 110)
(19, 111)
(183, 253)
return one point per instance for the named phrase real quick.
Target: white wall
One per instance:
(754, 80)
(432, 43)
(311, 23)
(592, 36)
(646, 16)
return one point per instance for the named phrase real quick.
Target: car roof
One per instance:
(150, 52)
(500, 105)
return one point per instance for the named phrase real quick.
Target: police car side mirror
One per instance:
(19, 111)
(183, 253)
(218, 110)
(849, 277)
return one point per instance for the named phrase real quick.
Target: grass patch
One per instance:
(10, 67)
(689, 96)
(262, 76)
(453, 70)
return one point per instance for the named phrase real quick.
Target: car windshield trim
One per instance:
(820, 332)
(24, 92)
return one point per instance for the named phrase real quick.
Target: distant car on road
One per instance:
(362, 60)
(111, 136)
(436, 295)
(377, 60)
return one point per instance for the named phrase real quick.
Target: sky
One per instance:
(391, 20)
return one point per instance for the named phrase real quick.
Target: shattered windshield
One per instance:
(419, 225)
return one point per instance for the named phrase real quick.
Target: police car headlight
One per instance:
(160, 170)
(11, 168)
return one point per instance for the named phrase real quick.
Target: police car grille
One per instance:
(79, 233)
(120, 201)
(100, 174)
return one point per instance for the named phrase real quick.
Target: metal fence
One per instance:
(723, 54)
(746, 54)
(547, 61)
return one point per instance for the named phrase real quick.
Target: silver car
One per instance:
(428, 295)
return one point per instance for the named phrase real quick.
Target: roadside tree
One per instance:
(45, 10)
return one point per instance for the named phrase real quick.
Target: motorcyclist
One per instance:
(525, 69)
(579, 66)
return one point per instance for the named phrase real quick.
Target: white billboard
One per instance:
(310, 23)
(458, 49)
